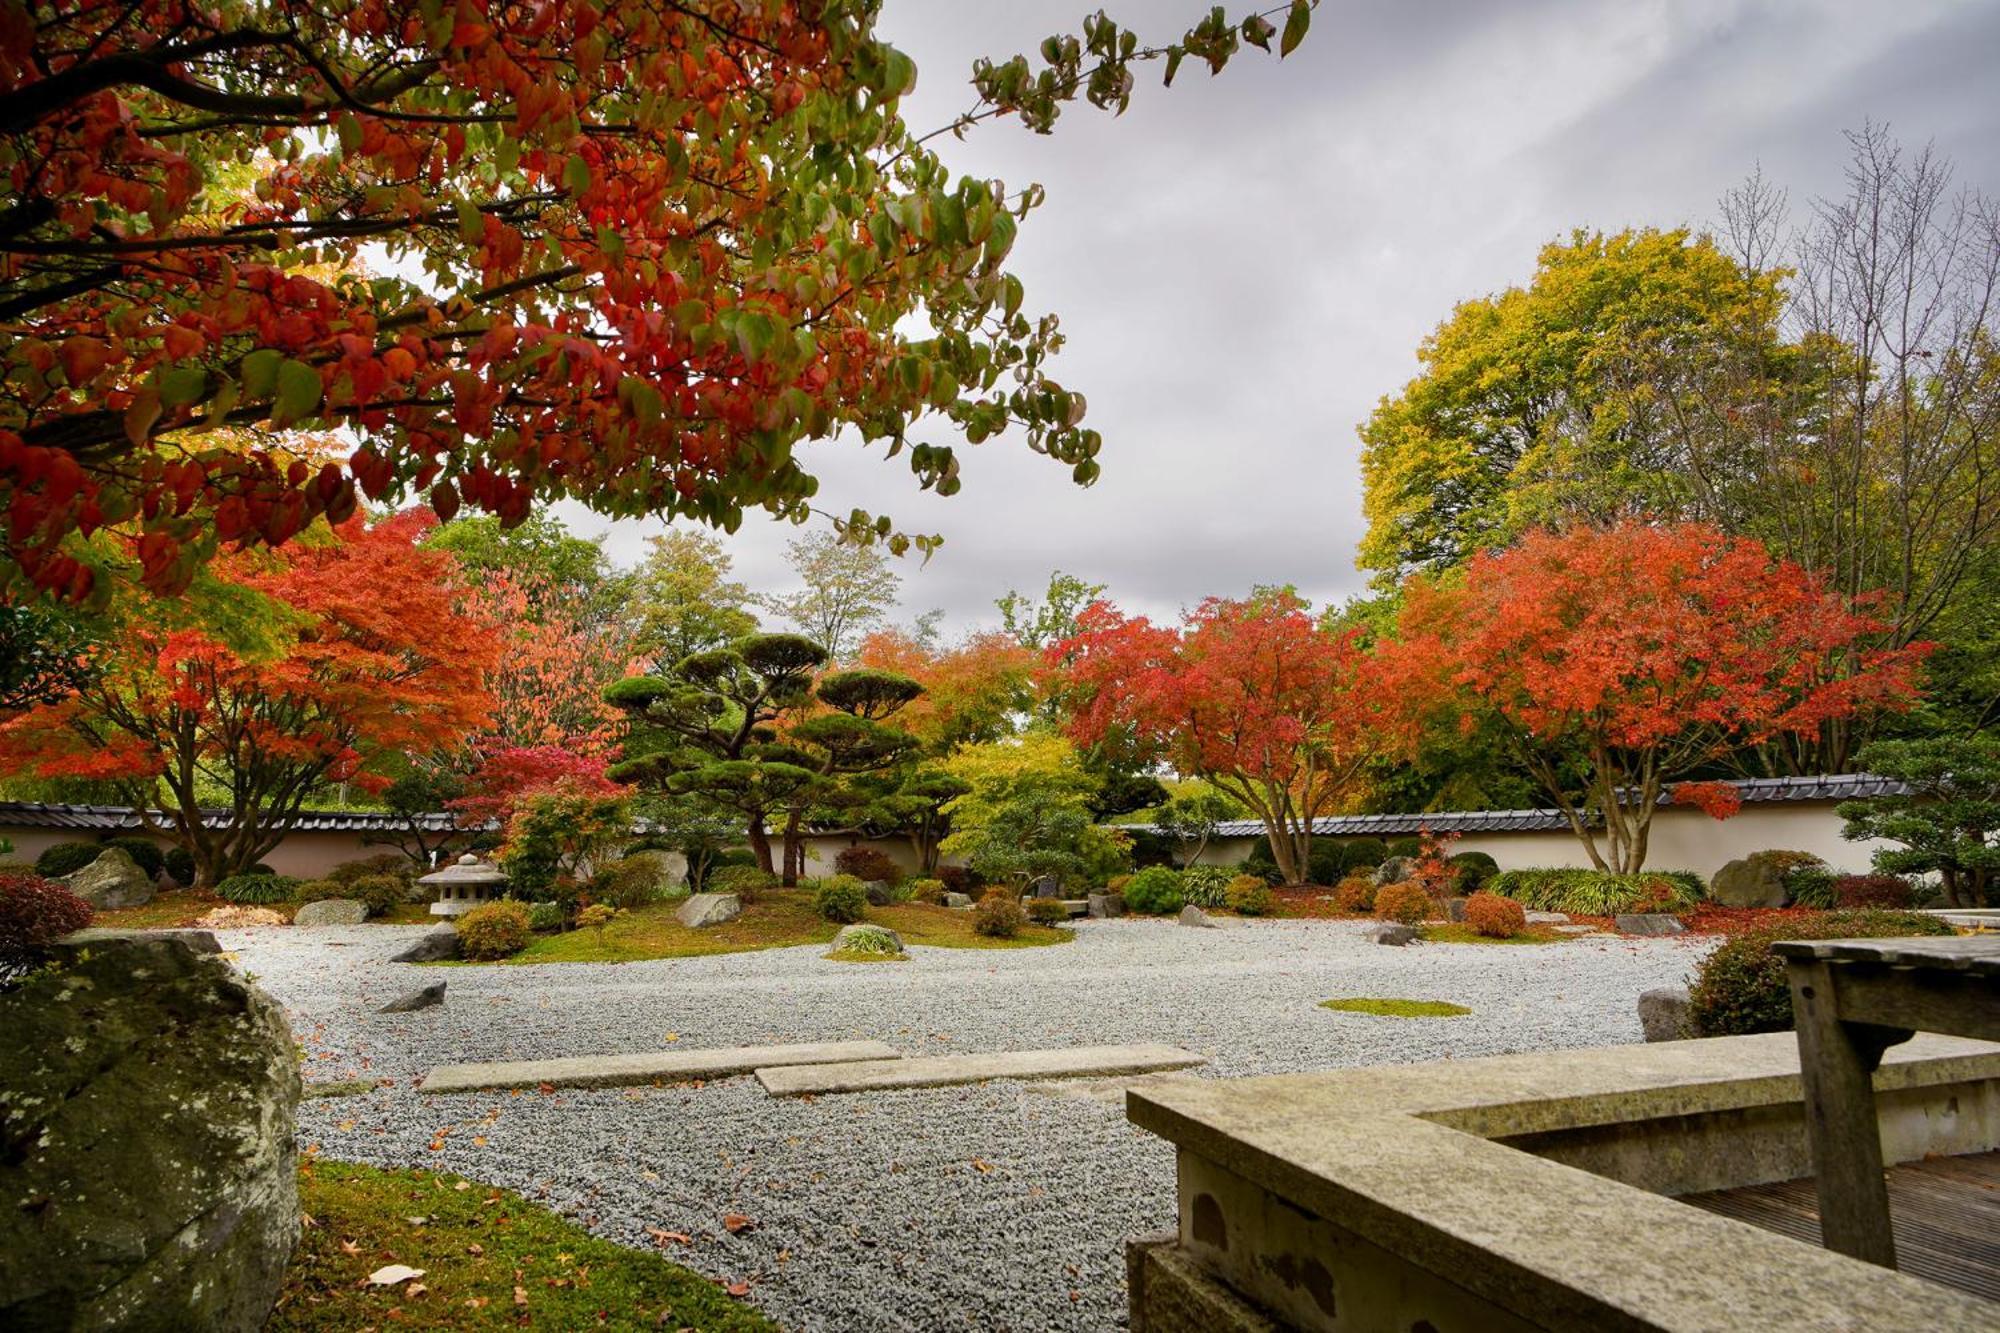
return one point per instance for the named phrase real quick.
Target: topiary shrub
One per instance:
(1361, 853)
(840, 899)
(1474, 869)
(180, 865)
(1155, 890)
(930, 891)
(1408, 847)
(1047, 911)
(629, 882)
(998, 913)
(545, 916)
(1248, 895)
(35, 912)
(256, 888)
(385, 863)
(1495, 917)
(958, 879)
(1356, 893)
(65, 858)
(1598, 892)
(1741, 987)
(495, 930)
(866, 863)
(383, 893)
(746, 882)
(1204, 886)
(1885, 892)
(146, 854)
(1325, 862)
(1404, 902)
(318, 890)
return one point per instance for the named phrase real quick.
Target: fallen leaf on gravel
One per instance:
(545, 1087)
(673, 1036)
(479, 1140)
(737, 1222)
(390, 1275)
(981, 1165)
(346, 1125)
(415, 1289)
(739, 1289)
(661, 1236)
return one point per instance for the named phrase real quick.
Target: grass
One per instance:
(489, 1258)
(857, 956)
(1397, 1008)
(779, 919)
(1457, 932)
(183, 907)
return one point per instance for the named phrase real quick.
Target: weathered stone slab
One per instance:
(332, 912)
(641, 1067)
(434, 945)
(933, 1071)
(1105, 904)
(1753, 881)
(957, 899)
(1648, 923)
(709, 909)
(201, 941)
(1663, 1013)
(426, 997)
(1547, 918)
(1391, 932)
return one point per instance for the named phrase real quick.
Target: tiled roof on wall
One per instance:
(124, 819)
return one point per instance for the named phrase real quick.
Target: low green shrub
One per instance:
(180, 865)
(930, 891)
(65, 858)
(1248, 895)
(1405, 902)
(1325, 862)
(1204, 886)
(1741, 987)
(629, 882)
(256, 888)
(318, 890)
(495, 930)
(545, 916)
(1474, 870)
(383, 893)
(998, 912)
(1410, 847)
(1047, 911)
(1155, 890)
(384, 863)
(148, 855)
(1597, 892)
(1811, 886)
(746, 882)
(1360, 853)
(841, 899)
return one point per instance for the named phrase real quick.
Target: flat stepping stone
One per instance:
(643, 1067)
(934, 1071)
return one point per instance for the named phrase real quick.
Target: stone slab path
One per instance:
(645, 1067)
(938, 1071)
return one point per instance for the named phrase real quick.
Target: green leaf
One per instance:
(1296, 24)
(182, 384)
(298, 393)
(260, 372)
(471, 222)
(576, 174)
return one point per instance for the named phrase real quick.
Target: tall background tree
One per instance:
(682, 600)
(846, 590)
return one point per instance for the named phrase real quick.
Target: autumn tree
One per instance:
(1251, 696)
(682, 600)
(660, 249)
(366, 655)
(549, 682)
(975, 690)
(1617, 661)
(845, 589)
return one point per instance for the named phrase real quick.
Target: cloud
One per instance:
(1244, 265)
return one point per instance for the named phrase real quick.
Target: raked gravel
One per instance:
(996, 1206)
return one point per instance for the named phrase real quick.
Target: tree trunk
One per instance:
(760, 845)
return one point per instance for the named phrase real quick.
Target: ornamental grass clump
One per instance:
(1742, 988)
(1495, 917)
(998, 914)
(1249, 895)
(256, 889)
(1598, 892)
(870, 942)
(1405, 902)
(1206, 886)
(840, 899)
(494, 931)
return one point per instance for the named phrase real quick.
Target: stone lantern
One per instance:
(465, 884)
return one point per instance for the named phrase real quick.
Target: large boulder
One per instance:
(1105, 904)
(1647, 923)
(147, 1101)
(1664, 1014)
(880, 892)
(1391, 932)
(433, 946)
(112, 880)
(709, 909)
(332, 912)
(1752, 881)
(1394, 871)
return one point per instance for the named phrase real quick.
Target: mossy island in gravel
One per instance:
(1397, 1008)
(867, 944)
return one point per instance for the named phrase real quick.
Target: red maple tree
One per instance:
(362, 651)
(1634, 654)
(506, 775)
(1252, 696)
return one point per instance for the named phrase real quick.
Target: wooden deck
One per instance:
(1945, 1213)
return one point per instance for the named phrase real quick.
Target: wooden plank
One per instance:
(1840, 1119)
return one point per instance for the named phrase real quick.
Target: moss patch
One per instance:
(779, 919)
(1457, 932)
(1397, 1008)
(490, 1260)
(857, 956)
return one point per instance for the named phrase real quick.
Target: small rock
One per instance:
(426, 998)
(1394, 870)
(1105, 904)
(957, 899)
(862, 930)
(111, 881)
(431, 946)
(1548, 918)
(332, 912)
(709, 909)
(1648, 923)
(1194, 916)
(880, 893)
(1454, 909)
(1577, 930)
(1391, 932)
(1664, 1013)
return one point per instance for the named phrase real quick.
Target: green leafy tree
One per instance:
(847, 590)
(1053, 619)
(682, 600)
(1028, 812)
(1948, 822)
(849, 741)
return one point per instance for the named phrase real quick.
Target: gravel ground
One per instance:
(999, 1206)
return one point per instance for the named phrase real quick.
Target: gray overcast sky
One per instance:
(1244, 265)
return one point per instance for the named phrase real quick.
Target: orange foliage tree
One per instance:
(549, 683)
(972, 690)
(1620, 659)
(1253, 696)
(366, 654)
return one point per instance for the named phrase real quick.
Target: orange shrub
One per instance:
(1405, 902)
(1494, 916)
(1356, 893)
